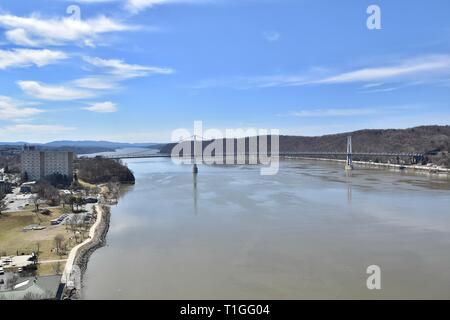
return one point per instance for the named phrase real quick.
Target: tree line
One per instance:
(100, 170)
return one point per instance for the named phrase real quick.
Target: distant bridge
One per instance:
(349, 155)
(143, 155)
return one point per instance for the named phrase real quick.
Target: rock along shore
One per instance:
(77, 265)
(418, 168)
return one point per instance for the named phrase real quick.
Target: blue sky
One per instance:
(135, 70)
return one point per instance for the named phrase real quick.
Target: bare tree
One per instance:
(64, 247)
(12, 281)
(79, 224)
(36, 201)
(48, 192)
(3, 205)
(71, 224)
(77, 237)
(72, 201)
(94, 191)
(57, 268)
(59, 239)
(38, 248)
(65, 200)
(76, 202)
(101, 170)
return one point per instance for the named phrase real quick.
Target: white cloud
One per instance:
(93, 1)
(373, 85)
(423, 66)
(242, 83)
(369, 112)
(114, 70)
(37, 31)
(29, 57)
(102, 107)
(135, 6)
(14, 110)
(53, 93)
(423, 70)
(96, 83)
(123, 70)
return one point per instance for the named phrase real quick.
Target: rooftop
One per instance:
(17, 261)
(34, 288)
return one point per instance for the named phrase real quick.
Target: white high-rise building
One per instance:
(37, 165)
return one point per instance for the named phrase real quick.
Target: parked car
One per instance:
(2, 272)
(59, 220)
(90, 200)
(46, 212)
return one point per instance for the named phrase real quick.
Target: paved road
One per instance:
(73, 253)
(52, 261)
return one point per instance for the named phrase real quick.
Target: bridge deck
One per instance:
(281, 154)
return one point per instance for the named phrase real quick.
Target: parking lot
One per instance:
(17, 201)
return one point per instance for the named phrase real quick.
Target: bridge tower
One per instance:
(195, 168)
(349, 163)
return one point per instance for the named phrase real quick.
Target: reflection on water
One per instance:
(308, 232)
(348, 174)
(195, 193)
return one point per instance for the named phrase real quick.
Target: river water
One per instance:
(309, 232)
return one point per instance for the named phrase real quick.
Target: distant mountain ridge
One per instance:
(423, 139)
(413, 140)
(79, 147)
(101, 144)
(85, 144)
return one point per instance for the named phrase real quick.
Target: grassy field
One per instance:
(13, 240)
(50, 269)
(86, 184)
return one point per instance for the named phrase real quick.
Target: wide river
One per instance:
(310, 231)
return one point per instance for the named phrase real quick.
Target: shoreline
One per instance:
(76, 266)
(431, 170)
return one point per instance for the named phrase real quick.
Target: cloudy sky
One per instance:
(135, 70)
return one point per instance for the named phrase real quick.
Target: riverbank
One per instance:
(72, 278)
(76, 266)
(429, 169)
